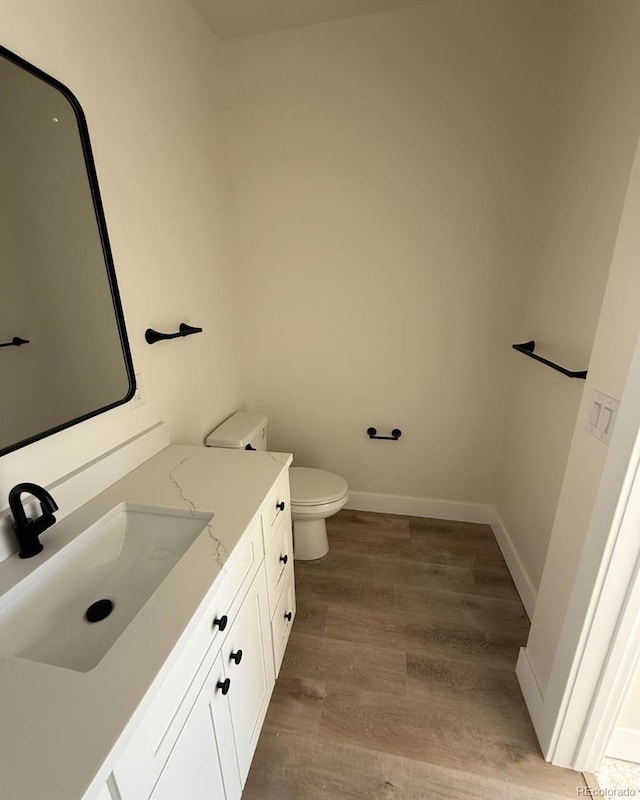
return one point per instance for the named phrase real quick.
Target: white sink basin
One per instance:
(123, 557)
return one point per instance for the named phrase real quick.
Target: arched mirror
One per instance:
(64, 354)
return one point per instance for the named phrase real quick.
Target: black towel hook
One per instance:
(15, 342)
(396, 433)
(184, 330)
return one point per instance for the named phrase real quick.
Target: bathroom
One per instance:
(364, 213)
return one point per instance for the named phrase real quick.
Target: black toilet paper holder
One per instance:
(396, 433)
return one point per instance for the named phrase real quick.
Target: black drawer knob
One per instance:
(288, 616)
(236, 657)
(224, 685)
(284, 559)
(280, 505)
(222, 622)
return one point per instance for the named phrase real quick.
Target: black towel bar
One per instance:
(15, 342)
(527, 349)
(185, 330)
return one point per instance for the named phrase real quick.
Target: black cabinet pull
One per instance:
(236, 657)
(224, 685)
(280, 505)
(222, 622)
(288, 616)
(284, 559)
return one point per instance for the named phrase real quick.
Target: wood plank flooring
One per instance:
(398, 681)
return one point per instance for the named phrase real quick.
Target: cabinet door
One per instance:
(198, 767)
(248, 664)
(193, 771)
(223, 731)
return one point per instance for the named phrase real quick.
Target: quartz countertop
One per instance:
(61, 731)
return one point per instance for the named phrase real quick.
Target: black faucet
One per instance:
(28, 530)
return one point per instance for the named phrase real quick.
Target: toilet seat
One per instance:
(316, 487)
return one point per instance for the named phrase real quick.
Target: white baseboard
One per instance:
(625, 744)
(420, 507)
(531, 691)
(524, 584)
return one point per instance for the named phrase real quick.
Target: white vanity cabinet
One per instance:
(198, 736)
(278, 545)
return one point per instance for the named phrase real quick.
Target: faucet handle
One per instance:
(44, 521)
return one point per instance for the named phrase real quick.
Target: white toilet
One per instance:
(315, 493)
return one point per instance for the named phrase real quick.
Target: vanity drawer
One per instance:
(139, 767)
(274, 508)
(279, 557)
(282, 620)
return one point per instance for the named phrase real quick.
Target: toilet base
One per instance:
(310, 539)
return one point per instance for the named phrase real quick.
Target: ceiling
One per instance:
(230, 18)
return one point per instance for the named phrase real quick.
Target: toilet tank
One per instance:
(244, 430)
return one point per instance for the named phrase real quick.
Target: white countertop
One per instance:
(58, 727)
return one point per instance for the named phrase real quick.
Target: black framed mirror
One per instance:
(64, 352)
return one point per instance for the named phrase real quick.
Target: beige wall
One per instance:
(593, 137)
(147, 75)
(386, 174)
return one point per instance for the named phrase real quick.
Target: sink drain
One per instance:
(99, 610)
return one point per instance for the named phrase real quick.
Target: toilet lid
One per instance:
(310, 487)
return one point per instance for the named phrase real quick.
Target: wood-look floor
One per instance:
(398, 681)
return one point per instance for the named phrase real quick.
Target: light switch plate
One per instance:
(601, 416)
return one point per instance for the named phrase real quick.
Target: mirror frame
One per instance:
(83, 131)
